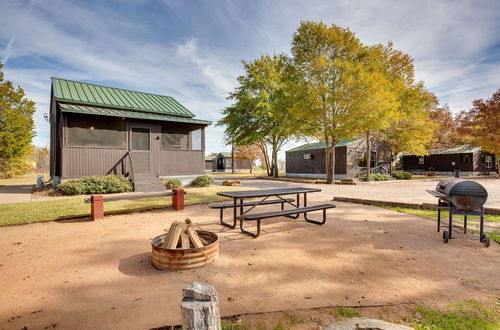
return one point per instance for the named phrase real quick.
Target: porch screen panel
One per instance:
(174, 138)
(87, 131)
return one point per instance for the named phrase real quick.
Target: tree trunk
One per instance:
(275, 160)
(232, 157)
(263, 148)
(200, 307)
(368, 156)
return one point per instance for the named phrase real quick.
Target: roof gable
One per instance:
(117, 98)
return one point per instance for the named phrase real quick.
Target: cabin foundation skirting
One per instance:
(315, 176)
(447, 173)
(186, 180)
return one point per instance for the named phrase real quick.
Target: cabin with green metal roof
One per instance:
(308, 160)
(99, 130)
(223, 162)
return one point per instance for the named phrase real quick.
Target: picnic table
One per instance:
(239, 213)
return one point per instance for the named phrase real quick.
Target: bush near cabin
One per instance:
(203, 181)
(106, 184)
(402, 175)
(172, 183)
(378, 177)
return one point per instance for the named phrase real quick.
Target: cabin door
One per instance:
(373, 159)
(140, 149)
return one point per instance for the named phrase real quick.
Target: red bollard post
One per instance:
(97, 207)
(178, 199)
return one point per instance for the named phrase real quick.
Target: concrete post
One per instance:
(200, 307)
(178, 199)
(96, 207)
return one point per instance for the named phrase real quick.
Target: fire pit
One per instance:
(184, 248)
(464, 197)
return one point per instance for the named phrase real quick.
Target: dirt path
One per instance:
(81, 275)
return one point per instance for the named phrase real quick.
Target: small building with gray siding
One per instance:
(308, 160)
(99, 130)
(223, 163)
(469, 160)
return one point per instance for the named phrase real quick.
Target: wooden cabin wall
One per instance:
(295, 162)
(78, 161)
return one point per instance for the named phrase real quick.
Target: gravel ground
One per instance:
(81, 275)
(412, 191)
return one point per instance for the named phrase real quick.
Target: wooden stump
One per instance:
(200, 307)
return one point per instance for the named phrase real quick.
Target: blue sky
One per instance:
(192, 50)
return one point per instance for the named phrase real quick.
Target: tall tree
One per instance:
(481, 124)
(329, 64)
(260, 112)
(379, 94)
(16, 127)
(413, 132)
(446, 134)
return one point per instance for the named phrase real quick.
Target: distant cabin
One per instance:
(469, 160)
(223, 163)
(308, 160)
(99, 130)
(209, 163)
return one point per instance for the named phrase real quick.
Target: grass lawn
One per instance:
(29, 178)
(458, 316)
(73, 207)
(472, 221)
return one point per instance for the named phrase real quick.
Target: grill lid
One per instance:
(460, 187)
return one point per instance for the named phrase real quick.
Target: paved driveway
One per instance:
(15, 193)
(412, 191)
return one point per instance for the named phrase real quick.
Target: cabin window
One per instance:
(464, 159)
(86, 131)
(174, 138)
(361, 158)
(421, 160)
(488, 161)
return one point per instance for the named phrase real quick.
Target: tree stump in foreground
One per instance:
(200, 307)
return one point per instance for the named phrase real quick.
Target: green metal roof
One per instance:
(226, 154)
(321, 145)
(89, 94)
(83, 109)
(462, 149)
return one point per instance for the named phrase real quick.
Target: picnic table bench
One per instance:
(294, 212)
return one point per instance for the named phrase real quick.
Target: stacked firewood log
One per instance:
(183, 235)
(231, 183)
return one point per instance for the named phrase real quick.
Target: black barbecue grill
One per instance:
(463, 197)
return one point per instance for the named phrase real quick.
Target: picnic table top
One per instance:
(266, 192)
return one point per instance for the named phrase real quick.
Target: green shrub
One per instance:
(203, 181)
(72, 187)
(402, 175)
(106, 184)
(172, 183)
(378, 177)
